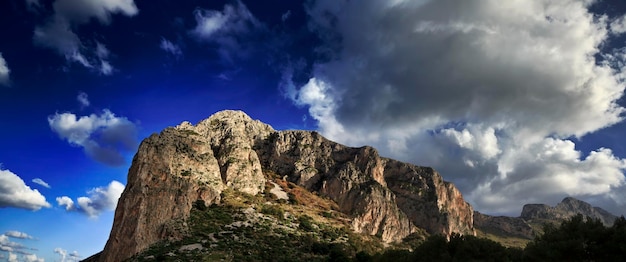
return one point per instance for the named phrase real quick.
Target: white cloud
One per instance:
(57, 33)
(33, 258)
(66, 202)
(4, 71)
(99, 199)
(171, 48)
(40, 182)
(18, 234)
(618, 26)
(493, 95)
(229, 29)
(12, 257)
(7, 245)
(15, 193)
(67, 257)
(83, 99)
(103, 136)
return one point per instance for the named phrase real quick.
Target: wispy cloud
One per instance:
(170, 48)
(4, 71)
(230, 29)
(18, 234)
(83, 99)
(58, 32)
(40, 182)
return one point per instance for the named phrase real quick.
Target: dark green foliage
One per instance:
(306, 223)
(579, 239)
(200, 205)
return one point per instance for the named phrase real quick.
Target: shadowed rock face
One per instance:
(504, 226)
(181, 165)
(569, 207)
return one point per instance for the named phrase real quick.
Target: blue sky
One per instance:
(517, 102)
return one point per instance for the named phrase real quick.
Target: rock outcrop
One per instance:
(569, 207)
(186, 163)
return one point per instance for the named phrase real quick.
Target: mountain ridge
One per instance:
(173, 170)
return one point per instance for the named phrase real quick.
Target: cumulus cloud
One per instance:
(67, 257)
(40, 182)
(103, 137)
(493, 95)
(57, 33)
(98, 200)
(15, 193)
(4, 71)
(18, 234)
(101, 199)
(33, 258)
(230, 30)
(66, 202)
(171, 48)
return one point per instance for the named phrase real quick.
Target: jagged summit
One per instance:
(230, 151)
(567, 208)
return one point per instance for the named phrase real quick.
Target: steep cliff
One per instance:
(174, 169)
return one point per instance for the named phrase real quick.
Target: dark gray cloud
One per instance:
(231, 31)
(489, 93)
(58, 34)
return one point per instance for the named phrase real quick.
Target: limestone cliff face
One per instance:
(180, 165)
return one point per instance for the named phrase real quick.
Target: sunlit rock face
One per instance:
(183, 164)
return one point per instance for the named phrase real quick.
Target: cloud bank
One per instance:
(58, 32)
(15, 193)
(495, 95)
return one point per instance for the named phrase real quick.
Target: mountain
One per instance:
(569, 207)
(230, 161)
(517, 231)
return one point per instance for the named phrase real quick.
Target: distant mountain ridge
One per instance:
(533, 216)
(569, 207)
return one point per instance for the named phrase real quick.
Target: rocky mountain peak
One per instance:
(567, 208)
(229, 150)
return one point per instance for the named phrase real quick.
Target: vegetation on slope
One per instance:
(307, 227)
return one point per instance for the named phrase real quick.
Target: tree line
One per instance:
(575, 239)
